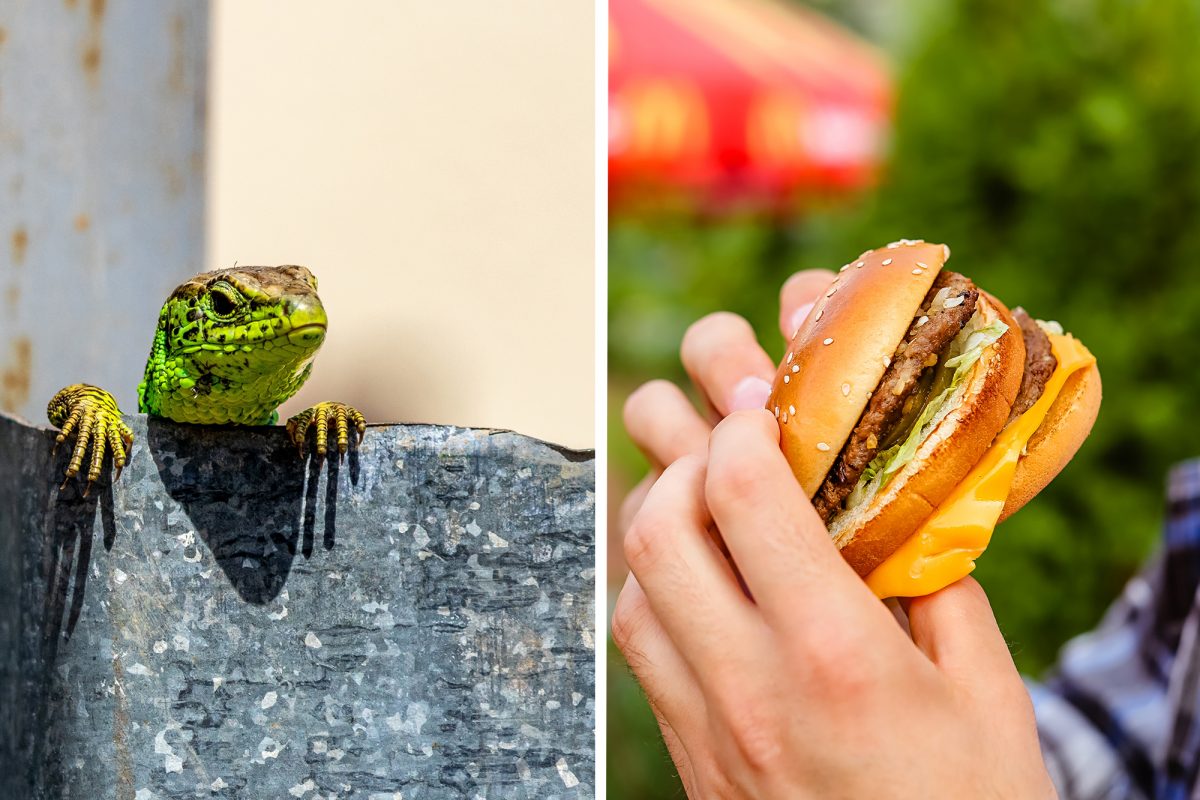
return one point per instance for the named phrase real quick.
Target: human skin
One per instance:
(794, 681)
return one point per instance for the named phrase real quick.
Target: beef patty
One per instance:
(944, 311)
(1040, 363)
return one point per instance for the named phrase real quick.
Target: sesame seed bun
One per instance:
(837, 357)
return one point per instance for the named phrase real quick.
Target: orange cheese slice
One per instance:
(945, 547)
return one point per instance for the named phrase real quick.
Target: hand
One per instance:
(730, 370)
(803, 685)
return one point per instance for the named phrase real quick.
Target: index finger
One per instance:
(798, 295)
(777, 540)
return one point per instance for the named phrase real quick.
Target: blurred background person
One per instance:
(1055, 147)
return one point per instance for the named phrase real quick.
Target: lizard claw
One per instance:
(92, 415)
(326, 418)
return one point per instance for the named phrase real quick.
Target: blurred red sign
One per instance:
(740, 96)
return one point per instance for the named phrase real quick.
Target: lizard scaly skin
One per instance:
(230, 347)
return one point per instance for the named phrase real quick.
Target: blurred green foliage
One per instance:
(1055, 146)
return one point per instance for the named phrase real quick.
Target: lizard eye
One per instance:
(224, 302)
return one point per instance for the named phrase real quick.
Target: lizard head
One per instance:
(247, 323)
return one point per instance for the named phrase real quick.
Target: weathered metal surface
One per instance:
(102, 115)
(228, 621)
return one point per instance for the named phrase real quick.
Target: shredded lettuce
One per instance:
(890, 461)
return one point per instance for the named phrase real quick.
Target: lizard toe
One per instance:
(329, 420)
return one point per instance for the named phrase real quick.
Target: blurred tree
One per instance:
(1056, 147)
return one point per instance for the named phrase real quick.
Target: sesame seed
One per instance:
(824, 448)
(953, 301)
(861, 264)
(828, 341)
(777, 412)
(893, 245)
(922, 320)
(917, 272)
(790, 357)
(792, 410)
(795, 368)
(922, 265)
(886, 261)
(844, 268)
(820, 311)
(787, 378)
(832, 289)
(887, 361)
(845, 390)
(783, 419)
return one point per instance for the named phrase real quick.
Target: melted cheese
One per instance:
(945, 547)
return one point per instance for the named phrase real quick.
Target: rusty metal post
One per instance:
(102, 116)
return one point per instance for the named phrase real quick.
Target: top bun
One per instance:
(839, 354)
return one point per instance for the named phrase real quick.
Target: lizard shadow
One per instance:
(67, 555)
(333, 467)
(242, 492)
(250, 499)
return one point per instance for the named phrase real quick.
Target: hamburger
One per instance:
(917, 411)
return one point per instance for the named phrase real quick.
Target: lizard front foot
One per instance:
(93, 416)
(325, 417)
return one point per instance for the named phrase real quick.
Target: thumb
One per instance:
(956, 629)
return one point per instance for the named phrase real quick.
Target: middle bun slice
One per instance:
(944, 363)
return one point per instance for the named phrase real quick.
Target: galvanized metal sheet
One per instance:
(227, 621)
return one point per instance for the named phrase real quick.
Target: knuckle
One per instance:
(644, 542)
(733, 481)
(839, 665)
(756, 732)
(653, 531)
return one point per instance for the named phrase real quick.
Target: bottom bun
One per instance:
(1057, 439)
(870, 532)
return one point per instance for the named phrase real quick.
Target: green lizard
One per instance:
(230, 347)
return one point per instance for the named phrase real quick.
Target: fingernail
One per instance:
(750, 392)
(801, 314)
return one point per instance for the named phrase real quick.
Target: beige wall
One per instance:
(432, 162)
